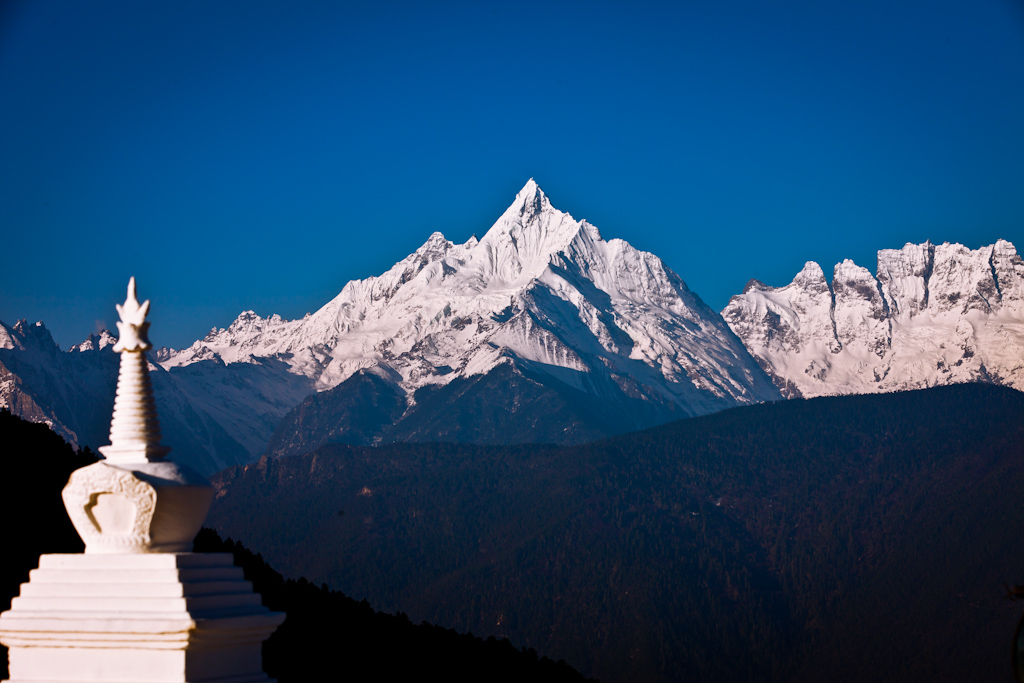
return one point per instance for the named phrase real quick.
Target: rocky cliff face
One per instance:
(15, 395)
(931, 315)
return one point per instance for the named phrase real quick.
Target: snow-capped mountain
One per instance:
(24, 357)
(931, 315)
(542, 294)
(212, 416)
(540, 331)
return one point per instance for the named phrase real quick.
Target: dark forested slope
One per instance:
(326, 636)
(35, 464)
(847, 538)
(506, 405)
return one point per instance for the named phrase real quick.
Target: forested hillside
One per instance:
(326, 636)
(846, 538)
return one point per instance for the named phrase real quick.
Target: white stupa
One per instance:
(137, 606)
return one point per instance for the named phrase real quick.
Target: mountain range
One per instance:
(540, 331)
(932, 314)
(211, 414)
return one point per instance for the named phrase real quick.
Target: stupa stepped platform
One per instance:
(63, 589)
(137, 618)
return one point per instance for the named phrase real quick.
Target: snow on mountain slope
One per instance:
(594, 334)
(932, 315)
(16, 344)
(539, 287)
(212, 416)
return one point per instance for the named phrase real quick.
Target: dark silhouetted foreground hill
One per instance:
(327, 636)
(35, 464)
(843, 539)
(330, 636)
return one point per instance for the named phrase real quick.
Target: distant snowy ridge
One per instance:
(539, 331)
(540, 288)
(211, 415)
(931, 315)
(17, 342)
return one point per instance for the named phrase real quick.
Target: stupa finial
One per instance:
(132, 326)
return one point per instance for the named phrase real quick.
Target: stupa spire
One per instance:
(135, 427)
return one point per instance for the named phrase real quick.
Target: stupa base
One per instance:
(137, 618)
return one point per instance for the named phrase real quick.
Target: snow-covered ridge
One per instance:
(541, 297)
(933, 314)
(538, 286)
(211, 415)
(95, 342)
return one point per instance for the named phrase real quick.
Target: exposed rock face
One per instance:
(35, 383)
(15, 397)
(932, 315)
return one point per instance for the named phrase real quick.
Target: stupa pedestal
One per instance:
(137, 618)
(136, 607)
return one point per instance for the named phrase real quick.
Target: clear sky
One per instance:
(258, 155)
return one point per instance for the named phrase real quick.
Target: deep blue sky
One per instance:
(259, 155)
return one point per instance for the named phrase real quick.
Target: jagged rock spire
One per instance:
(135, 427)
